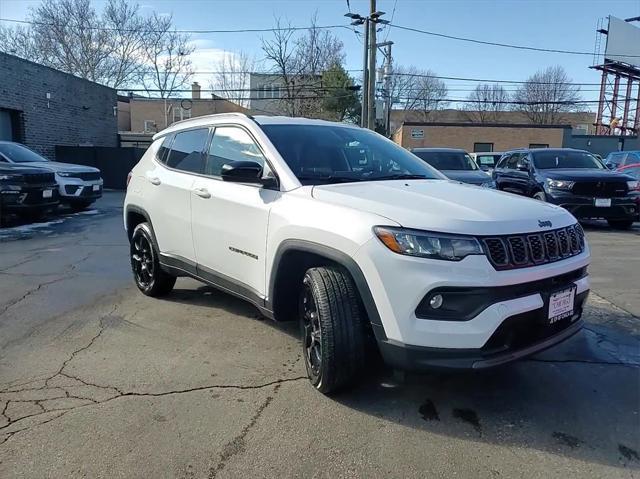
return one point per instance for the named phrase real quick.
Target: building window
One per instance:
(538, 145)
(482, 147)
(150, 126)
(180, 114)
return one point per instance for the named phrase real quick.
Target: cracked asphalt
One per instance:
(97, 380)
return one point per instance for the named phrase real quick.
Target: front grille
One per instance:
(600, 189)
(39, 178)
(520, 251)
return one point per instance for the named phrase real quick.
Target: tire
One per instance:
(540, 196)
(149, 277)
(332, 323)
(620, 224)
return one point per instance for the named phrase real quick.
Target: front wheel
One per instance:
(332, 324)
(620, 224)
(540, 196)
(149, 276)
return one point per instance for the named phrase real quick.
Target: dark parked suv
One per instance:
(26, 191)
(573, 179)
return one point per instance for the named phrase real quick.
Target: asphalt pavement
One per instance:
(97, 380)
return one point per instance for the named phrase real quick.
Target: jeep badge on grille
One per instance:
(542, 224)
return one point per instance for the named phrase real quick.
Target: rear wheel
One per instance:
(332, 324)
(148, 275)
(620, 224)
(540, 196)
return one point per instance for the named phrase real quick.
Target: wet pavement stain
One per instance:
(567, 439)
(428, 411)
(469, 416)
(628, 453)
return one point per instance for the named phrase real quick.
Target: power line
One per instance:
(498, 44)
(240, 30)
(326, 27)
(518, 82)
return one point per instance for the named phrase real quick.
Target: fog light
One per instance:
(436, 301)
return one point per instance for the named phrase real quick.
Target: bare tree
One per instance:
(165, 55)
(299, 62)
(125, 42)
(19, 41)
(547, 95)
(70, 36)
(232, 76)
(418, 92)
(486, 103)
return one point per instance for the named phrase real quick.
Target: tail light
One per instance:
(633, 185)
(128, 178)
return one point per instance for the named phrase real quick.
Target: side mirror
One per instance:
(611, 166)
(243, 171)
(484, 168)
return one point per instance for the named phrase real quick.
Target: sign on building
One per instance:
(417, 133)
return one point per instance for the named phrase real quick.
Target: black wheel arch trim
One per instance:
(340, 258)
(142, 212)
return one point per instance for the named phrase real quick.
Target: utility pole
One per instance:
(371, 88)
(368, 116)
(364, 114)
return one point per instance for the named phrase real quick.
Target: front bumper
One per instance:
(622, 208)
(17, 199)
(77, 190)
(518, 337)
(504, 330)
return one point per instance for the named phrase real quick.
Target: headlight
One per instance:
(427, 245)
(489, 184)
(633, 185)
(65, 174)
(560, 184)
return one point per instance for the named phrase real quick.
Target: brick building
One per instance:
(481, 137)
(43, 107)
(150, 115)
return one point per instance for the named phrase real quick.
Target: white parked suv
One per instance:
(359, 240)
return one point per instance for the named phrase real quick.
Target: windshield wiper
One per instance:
(399, 177)
(329, 178)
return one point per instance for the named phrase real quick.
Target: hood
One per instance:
(582, 174)
(21, 170)
(56, 166)
(475, 177)
(445, 206)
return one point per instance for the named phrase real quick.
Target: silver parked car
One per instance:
(78, 185)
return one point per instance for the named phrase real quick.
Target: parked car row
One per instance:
(32, 186)
(574, 179)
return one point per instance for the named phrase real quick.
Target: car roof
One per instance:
(438, 149)
(533, 150)
(242, 118)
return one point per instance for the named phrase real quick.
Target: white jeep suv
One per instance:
(358, 239)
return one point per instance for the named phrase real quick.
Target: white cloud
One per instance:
(204, 59)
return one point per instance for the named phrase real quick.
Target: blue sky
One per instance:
(565, 24)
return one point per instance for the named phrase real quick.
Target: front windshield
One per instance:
(548, 160)
(448, 160)
(319, 154)
(19, 154)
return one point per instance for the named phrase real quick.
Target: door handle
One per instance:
(202, 192)
(154, 180)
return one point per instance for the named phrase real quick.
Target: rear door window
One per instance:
(187, 150)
